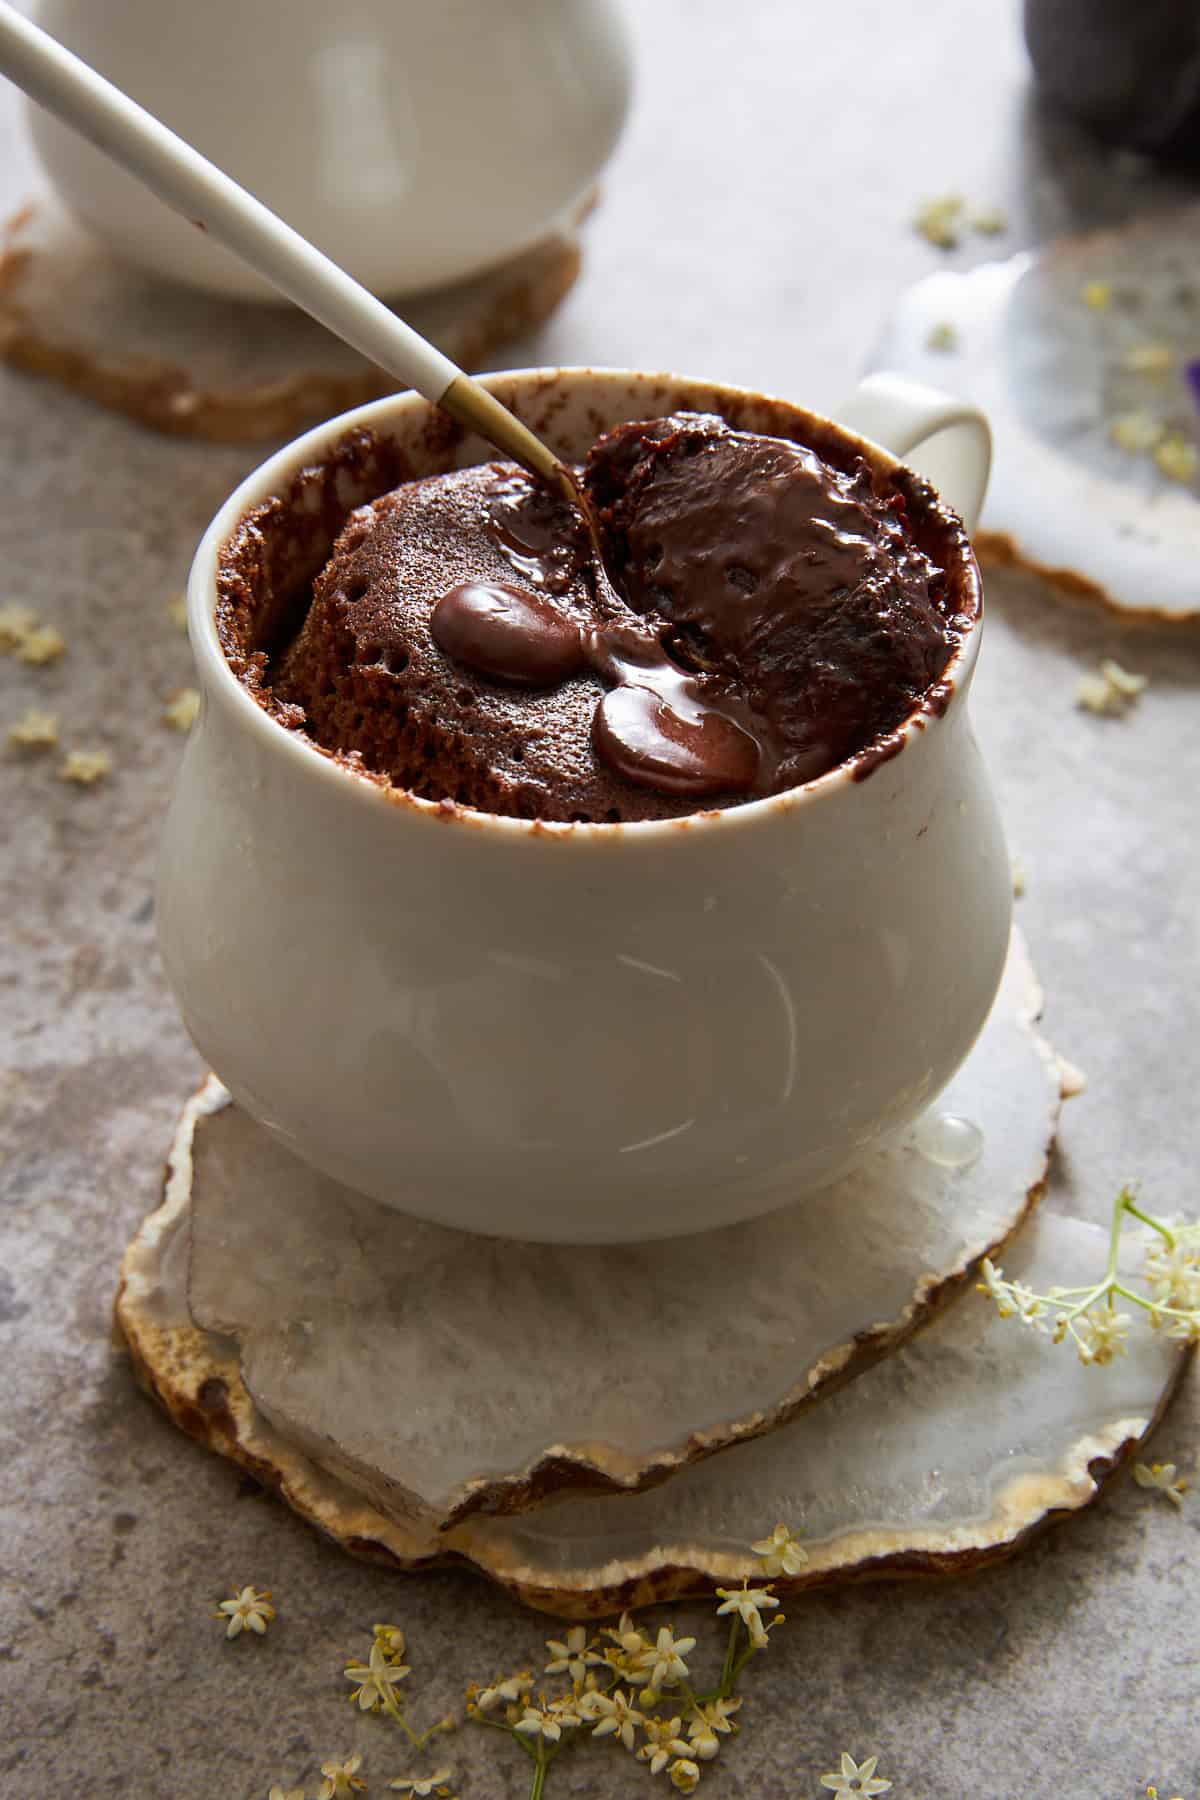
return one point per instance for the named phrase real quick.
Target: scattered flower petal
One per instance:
(855, 1778)
(1164, 1478)
(41, 645)
(182, 710)
(85, 767)
(16, 623)
(1149, 359)
(422, 1785)
(782, 1553)
(1111, 692)
(249, 1610)
(341, 1778)
(34, 730)
(940, 220)
(1175, 457)
(1136, 432)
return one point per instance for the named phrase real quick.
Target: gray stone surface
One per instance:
(767, 253)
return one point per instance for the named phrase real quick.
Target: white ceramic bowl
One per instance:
(578, 1032)
(415, 144)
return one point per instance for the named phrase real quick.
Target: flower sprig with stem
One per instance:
(636, 1689)
(1088, 1316)
(377, 1680)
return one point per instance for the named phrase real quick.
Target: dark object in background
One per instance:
(1130, 69)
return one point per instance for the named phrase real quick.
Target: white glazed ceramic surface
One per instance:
(415, 144)
(575, 1032)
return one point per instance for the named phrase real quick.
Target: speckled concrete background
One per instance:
(777, 241)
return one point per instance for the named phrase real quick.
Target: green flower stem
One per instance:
(1126, 1203)
(539, 1773)
(728, 1671)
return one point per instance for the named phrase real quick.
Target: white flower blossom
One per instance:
(546, 1722)
(662, 1743)
(684, 1775)
(611, 1715)
(422, 1785)
(574, 1656)
(748, 1602)
(1100, 1335)
(376, 1679)
(511, 1691)
(782, 1553)
(706, 1722)
(1164, 1478)
(249, 1610)
(665, 1664)
(341, 1778)
(855, 1778)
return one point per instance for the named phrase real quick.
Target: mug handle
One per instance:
(948, 441)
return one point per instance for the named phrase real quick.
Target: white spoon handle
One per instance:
(197, 189)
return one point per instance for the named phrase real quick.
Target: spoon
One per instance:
(197, 189)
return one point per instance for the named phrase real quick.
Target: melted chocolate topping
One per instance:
(509, 633)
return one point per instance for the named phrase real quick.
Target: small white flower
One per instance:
(612, 1715)
(1111, 692)
(422, 1785)
(633, 1649)
(545, 1722)
(392, 1640)
(513, 1690)
(782, 1553)
(1100, 1335)
(996, 1288)
(665, 1664)
(375, 1680)
(939, 221)
(1097, 294)
(1176, 458)
(684, 1775)
(41, 645)
(16, 623)
(662, 1743)
(1174, 1276)
(706, 1722)
(574, 1656)
(747, 1602)
(1149, 359)
(182, 710)
(341, 1778)
(34, 730)
(855, 1778)
(250, 1610)
(1164, 1478)
(85, 767)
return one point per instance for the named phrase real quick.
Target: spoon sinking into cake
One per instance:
(195, 188)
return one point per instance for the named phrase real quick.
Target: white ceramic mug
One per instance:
(583, 1033)
(415, 144)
